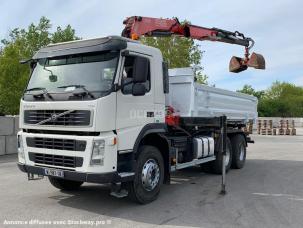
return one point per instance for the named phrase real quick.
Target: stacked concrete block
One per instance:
(9, 126)
(11, 144)
(2, 145)
(16, 125)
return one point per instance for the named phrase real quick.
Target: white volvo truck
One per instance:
(106, 111)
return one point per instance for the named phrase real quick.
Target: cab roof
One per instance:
(110, 43)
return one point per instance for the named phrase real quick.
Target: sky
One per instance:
(276, 27)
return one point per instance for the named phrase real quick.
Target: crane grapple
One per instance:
(137, 26)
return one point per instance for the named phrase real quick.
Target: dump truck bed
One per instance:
(191, 99)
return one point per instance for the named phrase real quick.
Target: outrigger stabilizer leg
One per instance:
(223, 151)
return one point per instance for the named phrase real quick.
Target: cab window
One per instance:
(127, 75)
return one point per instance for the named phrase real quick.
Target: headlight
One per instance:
(98, 152)
(21, 157)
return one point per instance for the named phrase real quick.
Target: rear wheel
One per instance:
(239, 151)
(149, 175)
(63, 184)
(216, 165)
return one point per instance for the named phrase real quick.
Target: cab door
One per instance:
(134, 108)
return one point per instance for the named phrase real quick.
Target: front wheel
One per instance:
(63, 184)
(149, 175)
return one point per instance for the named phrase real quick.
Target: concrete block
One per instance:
(2, 145)
(16, 120)
(11, 144)
(7, 125)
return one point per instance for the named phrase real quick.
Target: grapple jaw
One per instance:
(256, 61)
(238, 64)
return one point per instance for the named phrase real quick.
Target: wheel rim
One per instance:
(227, 157)
(242, 152)
(150, 174)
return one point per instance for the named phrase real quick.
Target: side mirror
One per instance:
(141, 68)
(53, 78)
(127, 85)
(138, 89)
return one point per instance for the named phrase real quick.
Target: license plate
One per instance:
(54, 172)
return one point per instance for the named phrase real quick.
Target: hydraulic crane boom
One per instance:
(136, 26)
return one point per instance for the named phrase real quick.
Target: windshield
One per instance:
(94, 71)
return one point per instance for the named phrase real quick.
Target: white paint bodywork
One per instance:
(115, 115)
(191, 99)
(131, 110)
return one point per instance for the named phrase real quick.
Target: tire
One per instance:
(149, 175)
(216, 166)
(66, 185)
(238, 144)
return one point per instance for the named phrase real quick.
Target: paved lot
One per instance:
(268, 192)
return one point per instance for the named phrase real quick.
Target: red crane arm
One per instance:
(137, 26)
(146, 26)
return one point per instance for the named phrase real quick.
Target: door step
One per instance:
(117, 191)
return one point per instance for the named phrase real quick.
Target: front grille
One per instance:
(56, 117)
(56, 144)
(56, 160)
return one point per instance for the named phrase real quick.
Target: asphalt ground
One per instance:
(267, 192)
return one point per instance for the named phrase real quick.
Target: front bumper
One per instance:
(112, 177)
(110, 153)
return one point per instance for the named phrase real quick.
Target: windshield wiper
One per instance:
(43, 92)
(80, 87)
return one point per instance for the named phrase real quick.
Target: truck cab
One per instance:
(94, 111)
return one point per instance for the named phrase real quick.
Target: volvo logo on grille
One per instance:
(54, 117)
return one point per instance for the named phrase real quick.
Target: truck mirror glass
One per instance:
(138, 89)
(140, 73)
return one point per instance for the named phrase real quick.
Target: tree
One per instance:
(22, 44)
(282, 99)
(63, 35)
(248, 89)
(179, 52)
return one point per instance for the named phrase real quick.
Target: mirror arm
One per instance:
(125, 53)
(25, 61)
